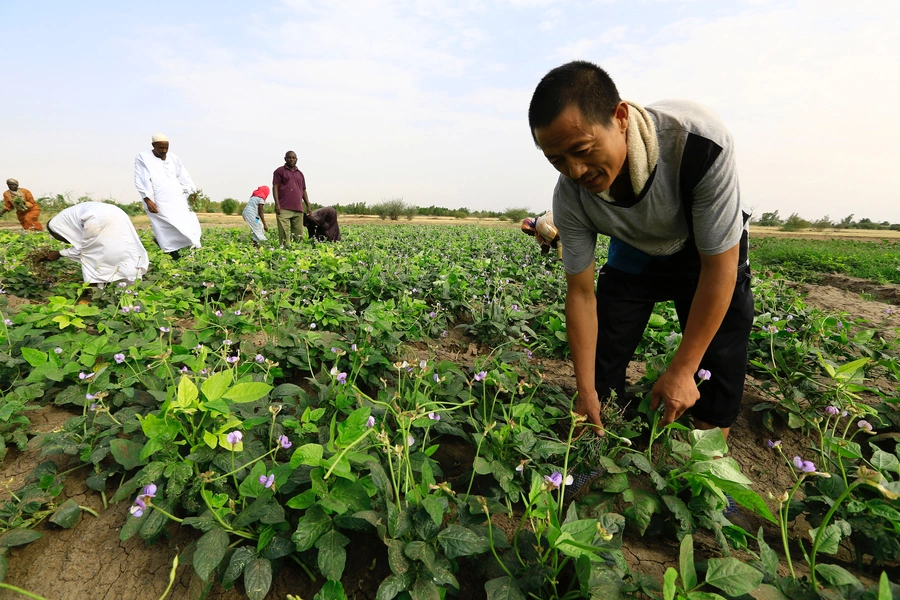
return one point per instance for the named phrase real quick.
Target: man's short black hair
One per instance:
(579, 82)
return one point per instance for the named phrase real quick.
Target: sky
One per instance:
(427, 100)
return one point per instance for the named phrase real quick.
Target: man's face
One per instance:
(290, 160)
(160, 149)
(589, 154)
(12, 186)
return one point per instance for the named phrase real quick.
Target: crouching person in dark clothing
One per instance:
(322, 225)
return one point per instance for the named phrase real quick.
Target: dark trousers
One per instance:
(624, 304)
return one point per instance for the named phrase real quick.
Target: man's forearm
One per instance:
(581, 329)
(718, 276)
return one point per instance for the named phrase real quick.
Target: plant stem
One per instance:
(171, 578)
(815, 547)
(6, 586)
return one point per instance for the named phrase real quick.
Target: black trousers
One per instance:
(624, 304)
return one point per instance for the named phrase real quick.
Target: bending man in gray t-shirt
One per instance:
(660, 181)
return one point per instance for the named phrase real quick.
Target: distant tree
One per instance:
(846, 222)
(866, 223)
(769, 219)
(391, 209)
(823, 223)
(410, 211)
(516, 214)
(895, 227)
(229, 206)
(794, 222)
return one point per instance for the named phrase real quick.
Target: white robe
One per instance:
(103, 240)
(168, 184)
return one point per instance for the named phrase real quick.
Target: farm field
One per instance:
(389, 416)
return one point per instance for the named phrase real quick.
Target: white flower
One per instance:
(410, 440)
(569, 480)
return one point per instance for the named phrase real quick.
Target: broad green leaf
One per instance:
(503, 588)
(211, 439)
(707, 444)
(332, 556)
(423, 589)
(310, 527)
(18, 537)
(353, 427)
(307, 454)
(732, 576)
(836, 575)
(396, 557)
(211, 549)
(247, 392)
(241, 557)
(746, 497)
(127, 453)
(723, 468)
(883, 461)
(829, 541)
(332, 590)
(435, 509)
(34, 357)
(459, 541)
(393, 585)
(582, 530)
(187, 394)
(215, 386)
(66, 516)
(884, 587)
(656, 320)
(770, 559)
(686, 563)
(669, 584)
(253, 513)
(257, 578)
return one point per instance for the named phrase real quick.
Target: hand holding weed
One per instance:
(677, 391)
(589, 406)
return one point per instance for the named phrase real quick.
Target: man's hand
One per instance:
(277, 209)
(677, 391)
(265, 227)
(151, 205)
(589, 406)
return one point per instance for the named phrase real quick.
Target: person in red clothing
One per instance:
(289, 190)
(20, 200)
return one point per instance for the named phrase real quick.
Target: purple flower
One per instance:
(58, 350)
(312, 325)
(804, 465)
(333, 350)
(480, 375)
(233, 359)
(93, 407)
(218, 313)
(267, 481)
(844, 413)
(864, 425)
(444, 333)
(553, 481)
(342, 378)
(165, 329)
(773, 445)
(436, 378)
(515, 307)
(7, 321)
(237, 312)
(122, 284)
(704, 375)
(119, 358)
(831, 410)
(284, 442)
(227, 342)
(840, 325)
(83, 375)
(370, 422)
(150, 490)
(136, 309)
(528, 353)
(260, 358)
(432, 314)
(203, 371)
(126, 309)
(234, 438)
(185, 370)
(89, 396)
(772, 329)
(353, 347)
(434, 416)
(137, 509)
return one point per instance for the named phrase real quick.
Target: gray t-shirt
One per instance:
(696, 168)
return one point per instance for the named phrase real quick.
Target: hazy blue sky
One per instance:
(427, 100)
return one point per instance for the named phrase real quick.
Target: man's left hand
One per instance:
(677, 391)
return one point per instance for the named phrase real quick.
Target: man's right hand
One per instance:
(589, 406)
(151, 205)
(277, 209)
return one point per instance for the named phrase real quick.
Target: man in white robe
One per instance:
(164, 185)
(103, 240)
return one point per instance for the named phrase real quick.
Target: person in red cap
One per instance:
(255, 214)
